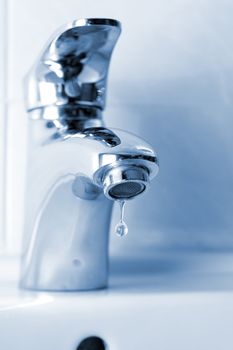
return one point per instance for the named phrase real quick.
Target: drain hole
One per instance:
(92, 343)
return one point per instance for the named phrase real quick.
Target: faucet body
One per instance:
(76, 166)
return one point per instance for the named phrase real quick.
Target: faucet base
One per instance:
(68, 250)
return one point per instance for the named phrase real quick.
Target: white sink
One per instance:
(178, 302)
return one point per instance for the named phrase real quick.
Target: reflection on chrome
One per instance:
(76, 166)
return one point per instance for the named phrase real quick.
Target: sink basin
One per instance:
(179, 301)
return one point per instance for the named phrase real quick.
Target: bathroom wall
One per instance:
(2, 121)
(171, 82)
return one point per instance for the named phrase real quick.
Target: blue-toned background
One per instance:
(171, 81)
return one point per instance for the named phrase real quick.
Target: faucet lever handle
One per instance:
(74, 66)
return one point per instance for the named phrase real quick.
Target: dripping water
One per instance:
(121, 228)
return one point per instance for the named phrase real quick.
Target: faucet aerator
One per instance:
(123, 183)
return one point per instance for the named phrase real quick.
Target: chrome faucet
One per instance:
(76, 166)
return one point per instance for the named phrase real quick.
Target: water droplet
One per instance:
(121, 228)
